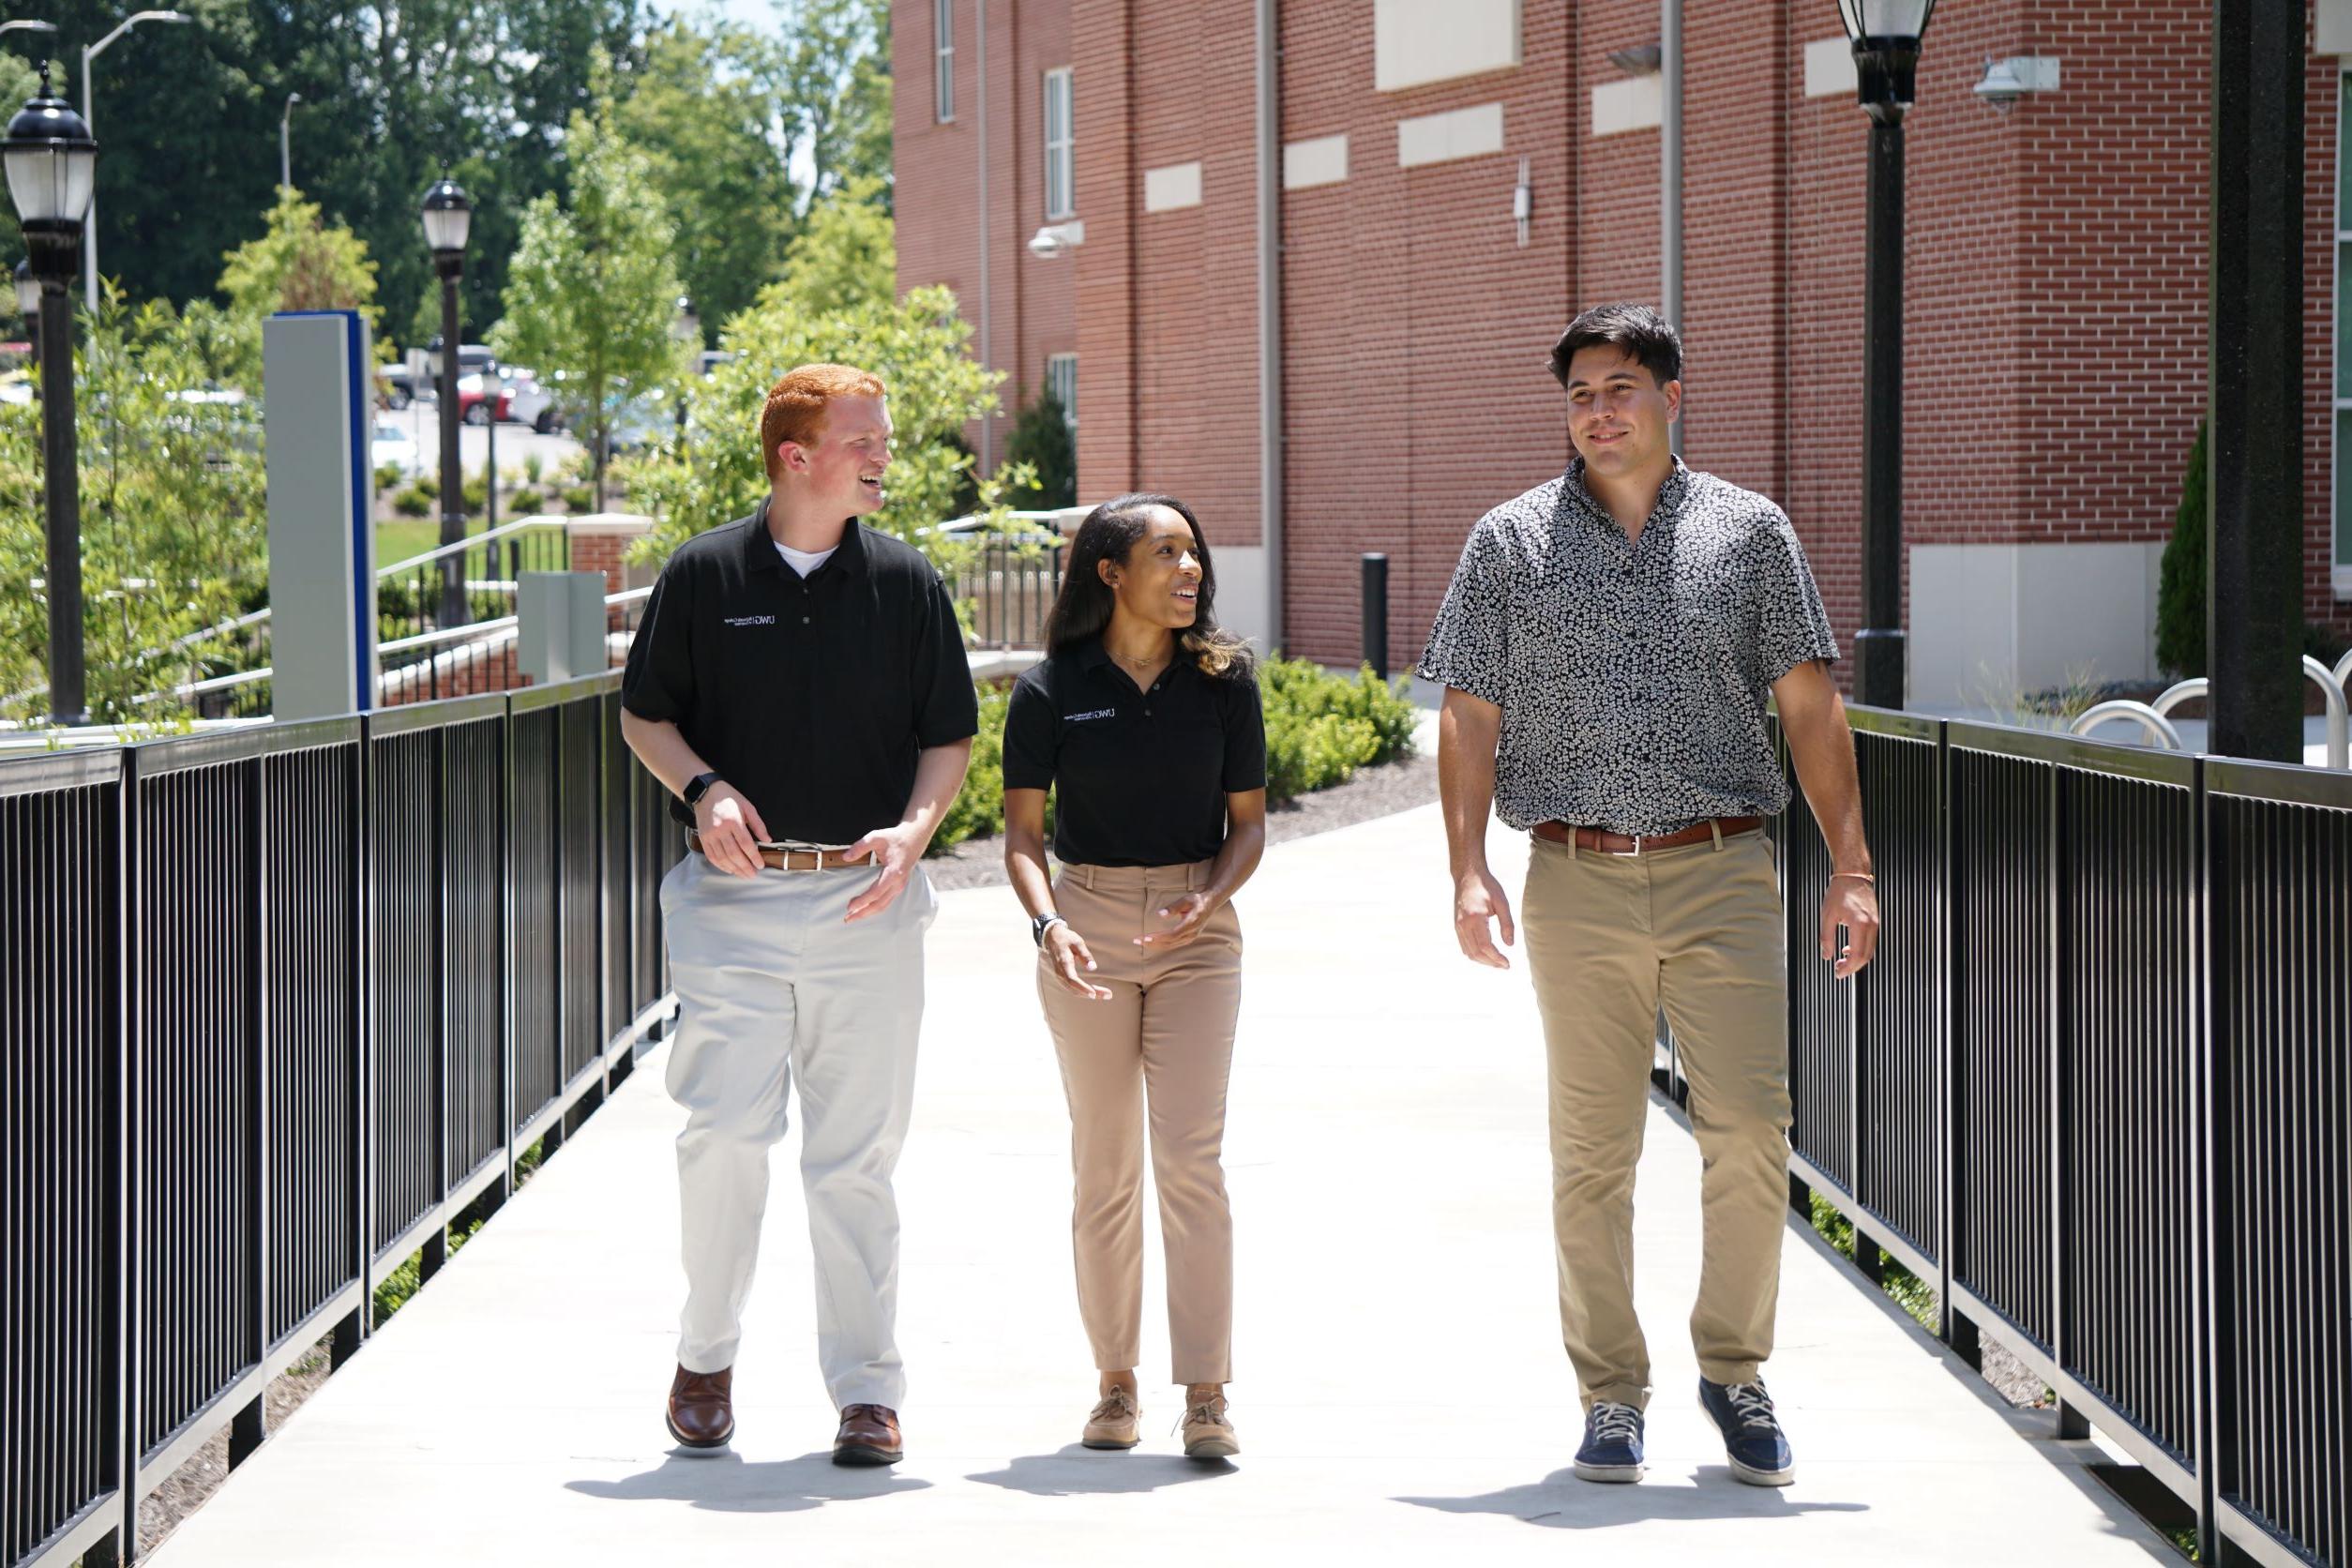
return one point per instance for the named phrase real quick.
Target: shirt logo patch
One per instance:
(751, 620)
(1098, 713)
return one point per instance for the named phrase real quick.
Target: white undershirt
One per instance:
(804, 562)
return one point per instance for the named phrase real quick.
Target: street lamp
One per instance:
(686, 329)
(52, 162)
(89, 249)
(447, 215)
(1886, 37)
(285, 143)
(28, 305)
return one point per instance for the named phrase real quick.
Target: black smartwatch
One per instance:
(1040, 924)
(697, 787)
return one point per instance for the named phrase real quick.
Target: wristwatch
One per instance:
(1039, 924)
(698, 786)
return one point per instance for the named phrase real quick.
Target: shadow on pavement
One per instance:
(728, 1484)
(1079, 1470)
(1560, 1501)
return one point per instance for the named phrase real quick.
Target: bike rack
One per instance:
(2158, 727)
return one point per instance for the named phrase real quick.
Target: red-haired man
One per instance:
(799, 683)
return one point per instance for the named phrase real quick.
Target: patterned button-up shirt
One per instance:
(1631, 674)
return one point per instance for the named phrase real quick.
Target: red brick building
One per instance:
(2056, 282)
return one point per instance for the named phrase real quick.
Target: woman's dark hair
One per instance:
(1082, 608)
(1635, 330)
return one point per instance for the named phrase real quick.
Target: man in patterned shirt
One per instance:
(1607, 646)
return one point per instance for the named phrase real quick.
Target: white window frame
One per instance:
(1061, 150)
(943, 61)
(2339, 519)
(1062, 381)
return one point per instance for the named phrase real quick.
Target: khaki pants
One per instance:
(1167, 1037)
(1698, 930)
(776, 993)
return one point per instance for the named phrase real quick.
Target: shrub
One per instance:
(475, 494)
(534, 467)
(1319, 729)
(414, 502)
(1042, 439)
(2180, 593)
(579, 498)
(387, 475)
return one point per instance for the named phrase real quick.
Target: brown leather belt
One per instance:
(779, 859)
(1602, 841)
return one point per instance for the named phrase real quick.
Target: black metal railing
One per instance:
(2097, 1091)
(1007, 587)
(281, 1003)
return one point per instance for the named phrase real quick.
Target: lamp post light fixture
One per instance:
(51, 163)
(89, 246)
(447, 215)
(1886, 36)
(285, 143)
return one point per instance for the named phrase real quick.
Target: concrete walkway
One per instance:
(1401, 1394)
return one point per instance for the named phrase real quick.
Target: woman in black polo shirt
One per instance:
(1144, 721)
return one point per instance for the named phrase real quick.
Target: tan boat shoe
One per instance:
(1208, 1433)
(1113, 1422)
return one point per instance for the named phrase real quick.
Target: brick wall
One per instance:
(2055, 275)
(1031, 301)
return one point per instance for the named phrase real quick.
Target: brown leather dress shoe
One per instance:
(869, 1436)
(701, 1410)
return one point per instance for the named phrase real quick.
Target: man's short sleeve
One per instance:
(1032, 737)
(1244, 736)
(947, 709)
(1470, 638)
(1789, 624)
(659, 681)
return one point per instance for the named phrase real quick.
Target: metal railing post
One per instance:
(249, 1428)
(351, 1331)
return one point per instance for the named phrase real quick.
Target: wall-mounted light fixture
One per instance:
(2005, 82)
(1640, 60)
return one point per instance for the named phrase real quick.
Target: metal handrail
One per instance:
(2148, 719)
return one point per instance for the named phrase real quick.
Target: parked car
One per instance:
(530, 403)
(393, 446)
(478, 392)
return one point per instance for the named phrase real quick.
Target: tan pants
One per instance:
(1698, 929)
(1167, 1035)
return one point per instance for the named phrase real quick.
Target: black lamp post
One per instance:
(1886, 37)
(447, 215)
(686, 329)
(28, 305)
(52, 162)
(2254, 382)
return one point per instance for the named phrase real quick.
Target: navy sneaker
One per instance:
(1612, 1443)
(1752, 1437)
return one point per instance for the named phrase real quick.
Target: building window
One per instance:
(1061, 385)
(2341, 558)
(1061, 199)
(943, 59)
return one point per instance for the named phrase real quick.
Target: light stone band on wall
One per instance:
(1633, 103)
(1460, 133)
(1172, 188)
(1308, 164)
(1415, 42)
(1830, 67)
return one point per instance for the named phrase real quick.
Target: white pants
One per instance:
(773, 985)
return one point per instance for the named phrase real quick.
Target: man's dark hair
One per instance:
(1635, 329)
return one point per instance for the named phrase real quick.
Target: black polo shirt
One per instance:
(1139, 778)
(812, 696)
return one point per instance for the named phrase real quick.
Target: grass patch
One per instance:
(1908, 1291)
(405, 538)
(395, 1290)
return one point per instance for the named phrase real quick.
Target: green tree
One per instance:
(834, 85)
(173, 519)
(1042, 439)
(847, 253)
(916, 345)
(301, 262)
(2181, 590)
(701, 110)
(593, 291)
